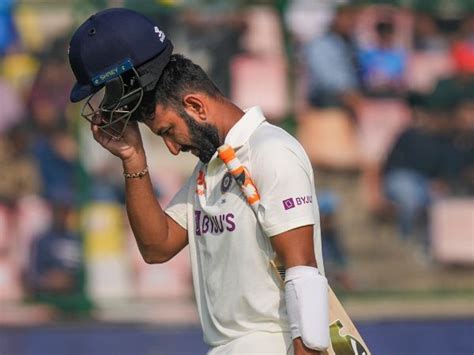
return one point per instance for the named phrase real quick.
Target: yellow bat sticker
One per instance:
(345, 344)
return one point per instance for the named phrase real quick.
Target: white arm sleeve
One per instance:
(283, 176)
(307, 303)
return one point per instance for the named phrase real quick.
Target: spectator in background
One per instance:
(56, 254)
(48, 101)
(422, 163)
(56, 154)
(462, 83)
(54, 145)
(332, 63)
(410, 165)
(48, 97)
(383, 64)
(55, 274)
(460, 86)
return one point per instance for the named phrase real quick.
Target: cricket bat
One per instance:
(345, 339)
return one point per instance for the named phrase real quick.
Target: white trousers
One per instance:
(258, 343)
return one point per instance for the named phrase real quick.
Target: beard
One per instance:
(204, 138)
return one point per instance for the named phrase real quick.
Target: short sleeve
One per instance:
(178, 207)
(284, 179)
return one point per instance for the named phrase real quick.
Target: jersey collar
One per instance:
(240, 133)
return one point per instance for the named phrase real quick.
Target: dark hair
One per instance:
(180, 77)
(384, 28)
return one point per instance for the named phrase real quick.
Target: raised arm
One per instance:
(158, 236)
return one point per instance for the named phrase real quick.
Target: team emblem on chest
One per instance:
(226, 182)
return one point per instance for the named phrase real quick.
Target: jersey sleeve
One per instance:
(178, 207)
(284, 178)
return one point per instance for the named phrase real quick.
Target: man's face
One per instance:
(344, 21)
(182, 133)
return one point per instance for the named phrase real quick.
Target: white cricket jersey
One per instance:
(236, 290)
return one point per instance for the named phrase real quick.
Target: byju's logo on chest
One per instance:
(205, 224)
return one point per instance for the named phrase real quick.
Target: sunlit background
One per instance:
(380, 94)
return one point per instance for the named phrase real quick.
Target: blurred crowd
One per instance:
(383, 92)
(398, 88)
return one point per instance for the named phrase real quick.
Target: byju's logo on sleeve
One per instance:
(289, 203)
(298, 201)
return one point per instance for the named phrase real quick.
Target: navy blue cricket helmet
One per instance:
(120, 54)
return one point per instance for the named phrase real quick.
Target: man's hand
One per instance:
(126, 148)
(301, 349)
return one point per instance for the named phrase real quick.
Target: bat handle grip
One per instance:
(240, 174)
(246, 184)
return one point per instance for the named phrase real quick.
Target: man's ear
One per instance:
(196, 106)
